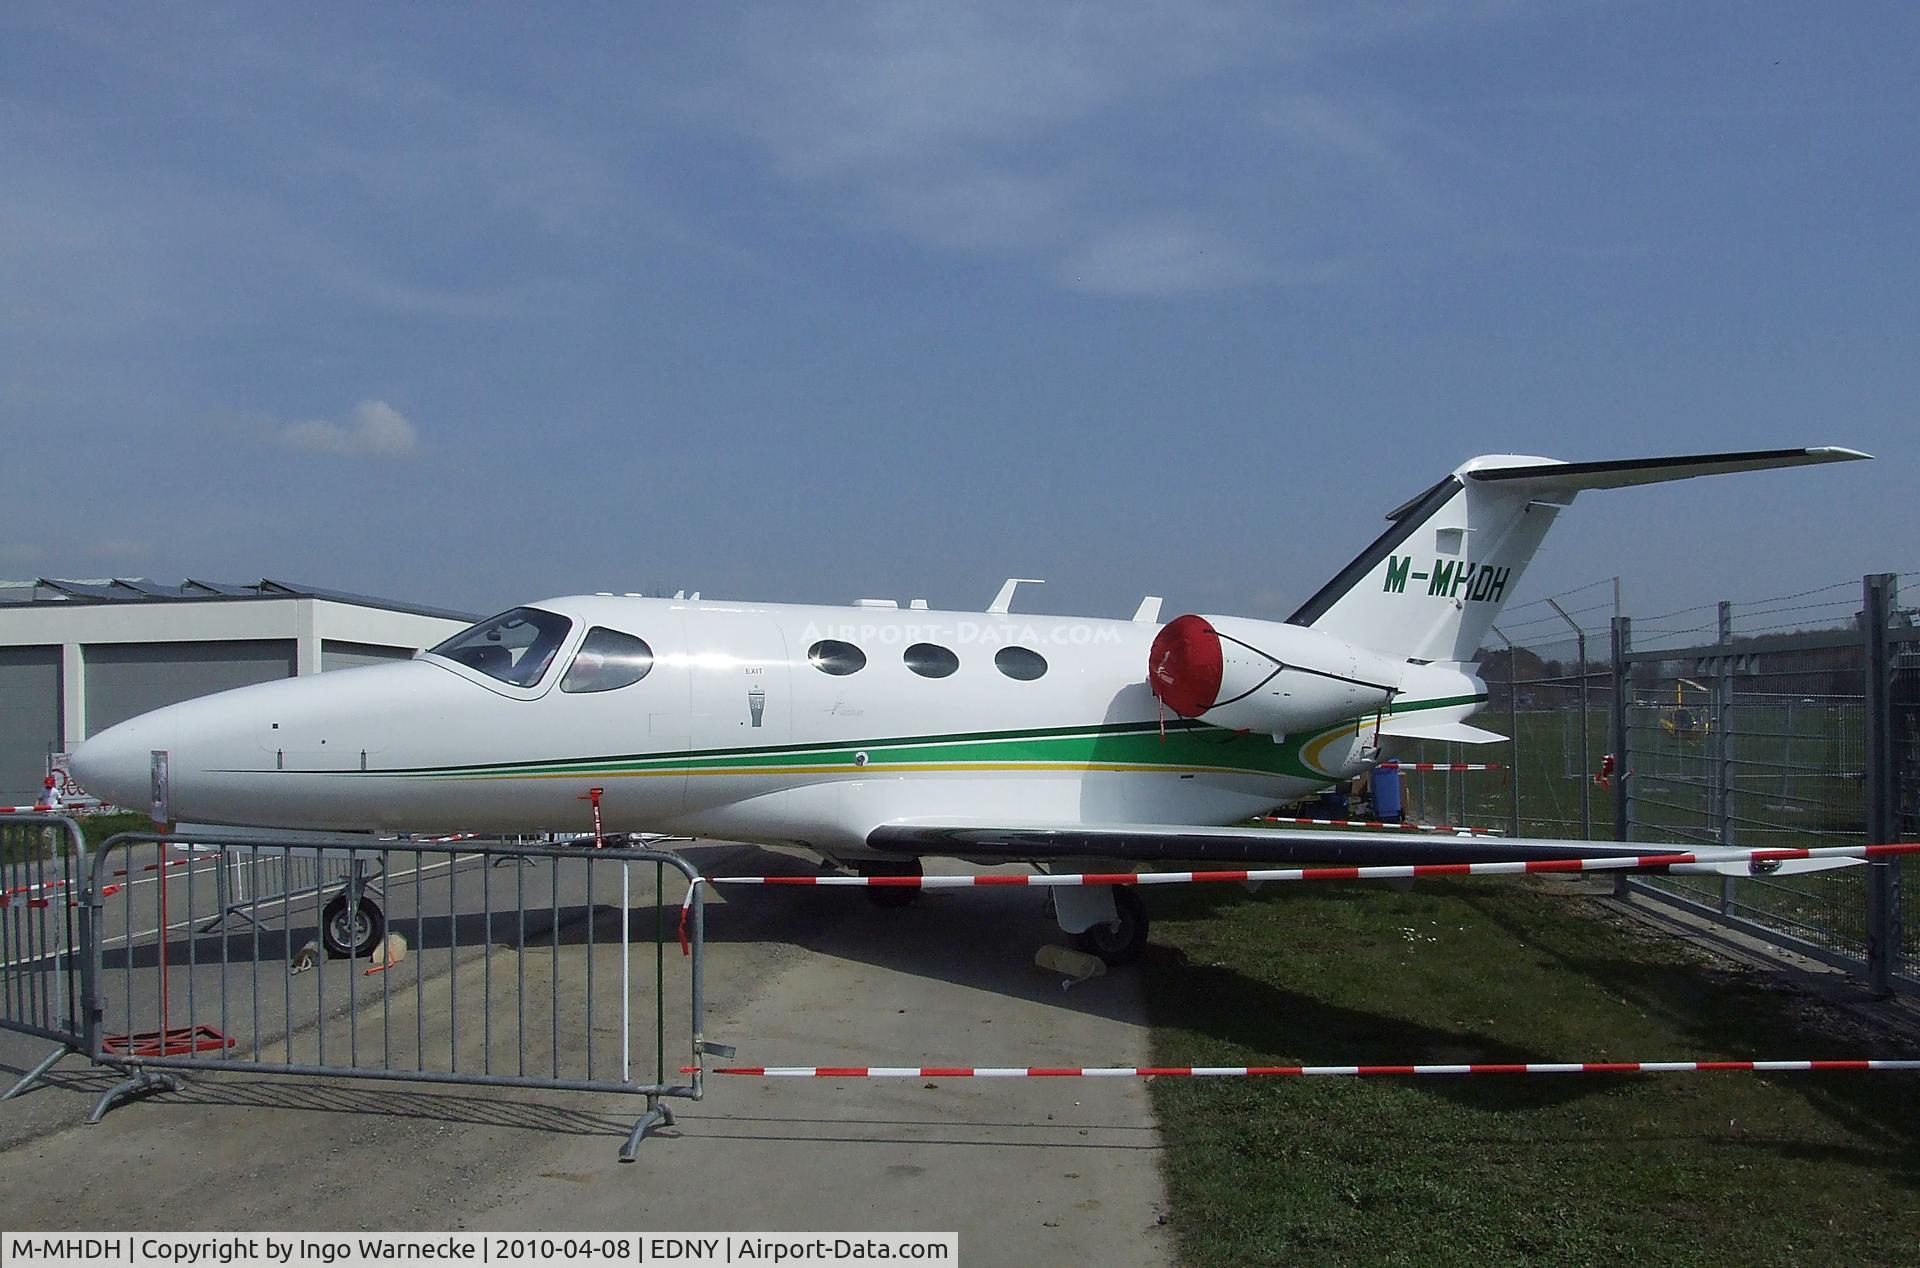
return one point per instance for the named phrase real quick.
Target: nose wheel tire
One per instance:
(893, 896)
(352, 934)
(1124, 940)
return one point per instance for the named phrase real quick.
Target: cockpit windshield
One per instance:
(515, 647)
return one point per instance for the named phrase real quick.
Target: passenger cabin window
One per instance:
(930, 660)
(607, 660)
(515, 647)
(1020, 662)
(831, 656)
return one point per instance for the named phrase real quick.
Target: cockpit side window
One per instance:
(607, 660)
(515, 647)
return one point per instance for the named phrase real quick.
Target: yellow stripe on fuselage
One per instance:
(878, 768)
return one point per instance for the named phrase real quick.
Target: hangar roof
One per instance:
(43, 590)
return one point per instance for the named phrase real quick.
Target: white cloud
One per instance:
(1157, 259)
(1082, 139)
(375, 429)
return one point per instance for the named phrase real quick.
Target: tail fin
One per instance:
(1430, 586)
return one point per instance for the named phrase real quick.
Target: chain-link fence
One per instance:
(1783, 723)
(1756, 746)
(1903, 696)
(1714, 737)
(1555, 700)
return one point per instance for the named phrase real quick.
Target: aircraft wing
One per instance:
(1173, 843)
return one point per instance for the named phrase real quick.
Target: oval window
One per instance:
(930, 660)
(607, 660)
(831, 656)
(1020, 662)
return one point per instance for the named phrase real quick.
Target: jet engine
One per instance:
(1251, 675)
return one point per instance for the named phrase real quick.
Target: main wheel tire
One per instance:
(893, 896)
(1124, 940)
(355, 937)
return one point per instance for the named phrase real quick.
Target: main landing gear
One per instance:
(1109, 921)
(891, 896)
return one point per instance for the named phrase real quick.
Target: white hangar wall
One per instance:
(76, 658)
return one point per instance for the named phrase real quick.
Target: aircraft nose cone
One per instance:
(117, 764)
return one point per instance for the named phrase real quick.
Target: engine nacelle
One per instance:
(1266, 676)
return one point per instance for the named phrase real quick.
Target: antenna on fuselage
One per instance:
(1003, 602)
(1149, 609)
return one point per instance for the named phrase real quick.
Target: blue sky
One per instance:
(472, 304)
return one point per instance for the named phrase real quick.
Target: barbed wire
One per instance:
(1553, 618)
(1740, 603)
(1745, 611)
(1534, 603)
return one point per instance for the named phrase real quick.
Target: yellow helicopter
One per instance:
(1680, 721)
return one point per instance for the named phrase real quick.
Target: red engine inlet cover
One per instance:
(1184, 665)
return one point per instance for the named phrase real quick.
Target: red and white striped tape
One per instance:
(105, 890)
(1441, 766)
(1300, 1071)
(1401, 871)
(33, 889)
(1455, 829)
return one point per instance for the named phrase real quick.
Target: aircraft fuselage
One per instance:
(739, 728)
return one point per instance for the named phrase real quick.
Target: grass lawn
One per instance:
(1659, 1169)
(20, 842)
(97, 828)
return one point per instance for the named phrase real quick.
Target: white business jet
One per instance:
(875, 735)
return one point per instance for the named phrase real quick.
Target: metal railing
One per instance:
(470, 963)
(43, 935)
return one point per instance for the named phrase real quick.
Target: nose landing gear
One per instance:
(351, 931)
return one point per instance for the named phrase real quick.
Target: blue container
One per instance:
(1386, 794)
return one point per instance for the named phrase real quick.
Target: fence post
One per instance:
(1881, 873)
(1622, 642)
(1722, 803)
(1586, 745)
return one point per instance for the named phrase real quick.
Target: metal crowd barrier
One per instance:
(468, 963)
(43, 935)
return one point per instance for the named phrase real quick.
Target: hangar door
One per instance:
(335, 654)
(125, 680)
(29, 720)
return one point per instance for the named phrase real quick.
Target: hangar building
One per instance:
(78, 656)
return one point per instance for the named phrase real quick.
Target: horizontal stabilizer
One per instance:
(1620, 474)
(1417, 728)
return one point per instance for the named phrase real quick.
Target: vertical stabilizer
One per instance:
(1431, 585)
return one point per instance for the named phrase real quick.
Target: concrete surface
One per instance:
(1027, 1171)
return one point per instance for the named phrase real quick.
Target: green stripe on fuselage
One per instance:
(1180, 743)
